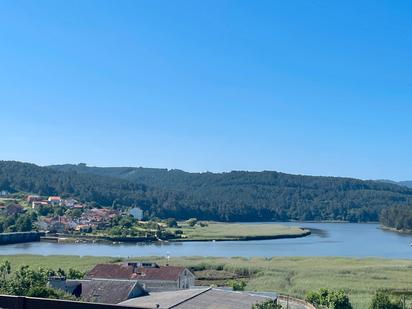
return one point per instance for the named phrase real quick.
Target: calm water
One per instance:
(327, 239)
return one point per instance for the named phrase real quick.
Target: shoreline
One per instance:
(107, 239)
(392, 229)
(305, 232)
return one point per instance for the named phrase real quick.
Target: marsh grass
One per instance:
(294, 276)
(228, 231)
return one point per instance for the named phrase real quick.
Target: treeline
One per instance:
(234, 196)
(398, 217)
(257, 196)
(25, 177)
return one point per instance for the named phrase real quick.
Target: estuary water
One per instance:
(327, 239)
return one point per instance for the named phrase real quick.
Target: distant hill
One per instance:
(407, 183)
(259, 196)
(25, 177)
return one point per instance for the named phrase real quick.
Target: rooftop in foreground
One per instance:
(208, 298)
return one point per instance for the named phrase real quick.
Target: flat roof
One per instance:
(209, 298)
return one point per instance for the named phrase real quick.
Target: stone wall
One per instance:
(19, 237)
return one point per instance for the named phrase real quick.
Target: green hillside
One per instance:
(256, 196)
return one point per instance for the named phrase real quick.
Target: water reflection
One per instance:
(327, 239)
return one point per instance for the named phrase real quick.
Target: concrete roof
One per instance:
(208, 298)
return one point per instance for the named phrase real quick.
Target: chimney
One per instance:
(57, 282)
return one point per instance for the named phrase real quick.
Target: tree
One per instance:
(24, 223)
(171, 222)
(75, 213)
(267, 304)
(28, 282)
(75, 274)
(5, 269)
(191, 221)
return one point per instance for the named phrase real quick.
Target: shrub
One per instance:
(381, 300)
(267, 304)
(329, 299)
(191, 222)
(237, 285)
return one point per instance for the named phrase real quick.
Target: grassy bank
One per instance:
(236, 231)
(287, 275)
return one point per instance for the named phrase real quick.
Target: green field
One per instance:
(236, 231)
(360, 278)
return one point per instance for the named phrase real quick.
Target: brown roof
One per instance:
(168, 273)
(111, 271)
(124, 271)
(54, 198)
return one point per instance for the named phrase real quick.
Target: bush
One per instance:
(267, 304)
(237, 285)
(329, 299)
(171, 222)
(75, 274)
(381, 300)
(191, 222)
(45, 292)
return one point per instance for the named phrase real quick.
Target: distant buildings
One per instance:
(14, 209)
(137, 213)
(37, 204)
(55, 200)
(33, 198)
(4, 193)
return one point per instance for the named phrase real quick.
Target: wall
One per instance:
(159, 285)
(14, 238)
(17, 302)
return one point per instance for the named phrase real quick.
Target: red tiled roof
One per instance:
(123, 271)
(111, 271)
(162, 273)
(54, 198)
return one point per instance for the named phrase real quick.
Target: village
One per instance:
(77, 216)
(54, 215)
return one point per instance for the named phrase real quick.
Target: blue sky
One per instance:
(308, 87)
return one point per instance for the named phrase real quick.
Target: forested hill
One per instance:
(249, 196)
(398, 217)
(407, 183)
(30, 178)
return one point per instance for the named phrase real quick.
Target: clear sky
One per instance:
(308, 87)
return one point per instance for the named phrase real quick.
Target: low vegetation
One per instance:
(294, 276)
(330, 299)
(267, 304)
(384, 300)
(27, 281)
(235, 231)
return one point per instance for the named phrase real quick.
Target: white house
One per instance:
(136, 212)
